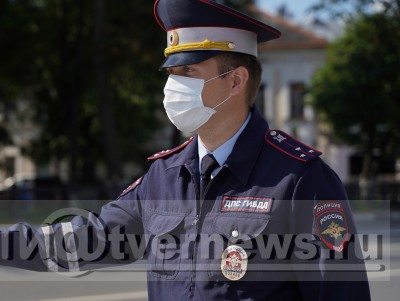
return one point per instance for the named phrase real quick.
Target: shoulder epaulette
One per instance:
(291, 146)
(131, 187)
(166, 153)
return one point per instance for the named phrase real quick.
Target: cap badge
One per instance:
(173, 38)
(234, 262)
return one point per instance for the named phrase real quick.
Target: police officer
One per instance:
(239, 211)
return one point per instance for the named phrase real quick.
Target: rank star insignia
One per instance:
(234, 262)
(334, 230)
(280, 138)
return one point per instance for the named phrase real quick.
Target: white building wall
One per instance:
(22, 164)
(338, 159)
(280, 70)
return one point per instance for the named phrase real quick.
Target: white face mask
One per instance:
(183, 103)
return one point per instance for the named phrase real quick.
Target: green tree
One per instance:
(358, 89)
(89, 71)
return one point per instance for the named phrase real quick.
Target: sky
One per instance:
(297, 7)
(302, 17)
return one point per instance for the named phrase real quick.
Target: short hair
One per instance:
(230, 60)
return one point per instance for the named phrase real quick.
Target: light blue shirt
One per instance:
(222, 152)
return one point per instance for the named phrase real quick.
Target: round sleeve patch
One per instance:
(331, 224)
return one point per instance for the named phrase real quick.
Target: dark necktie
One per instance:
(208, 164)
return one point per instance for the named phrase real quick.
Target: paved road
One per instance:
(385, 285)
(112, 285)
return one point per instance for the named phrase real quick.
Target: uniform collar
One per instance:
(244, 154)
(246, 151)
(187, 157)
(222, 153)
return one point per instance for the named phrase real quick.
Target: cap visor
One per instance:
(187, 58)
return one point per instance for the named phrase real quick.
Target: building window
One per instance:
(297, 91)
(9, 166)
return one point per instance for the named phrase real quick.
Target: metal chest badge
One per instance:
(331, 224)
(234, 262)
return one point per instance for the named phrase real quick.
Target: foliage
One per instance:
(89, 71)
(358, 90)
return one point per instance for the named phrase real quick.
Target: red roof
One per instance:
(293, 36)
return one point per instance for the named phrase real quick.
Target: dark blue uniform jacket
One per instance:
(274, 198)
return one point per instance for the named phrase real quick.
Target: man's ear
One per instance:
(239, 77)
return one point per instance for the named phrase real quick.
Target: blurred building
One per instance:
(289, 64)
(13, 162)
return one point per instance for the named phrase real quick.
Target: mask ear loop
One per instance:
(227, 72)
(222, 102)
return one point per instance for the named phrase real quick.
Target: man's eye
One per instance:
(188, 69)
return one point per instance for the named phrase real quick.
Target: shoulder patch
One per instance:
(131, 187)
(331, 222)
(166, 153)
(291, 146)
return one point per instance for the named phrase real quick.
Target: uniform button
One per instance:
(235, 233)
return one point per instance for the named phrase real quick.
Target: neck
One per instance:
(221, 127)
